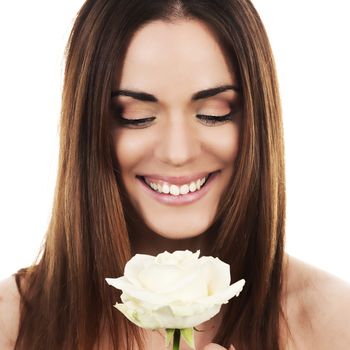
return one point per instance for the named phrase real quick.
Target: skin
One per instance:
(177, 142)
(316, 304)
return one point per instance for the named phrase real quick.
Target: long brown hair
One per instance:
(64, 298)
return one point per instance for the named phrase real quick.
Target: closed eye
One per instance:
(135, 122)
(204, 118)
(215, 119)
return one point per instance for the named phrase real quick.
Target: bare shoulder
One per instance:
(318, 307)
(9, 313)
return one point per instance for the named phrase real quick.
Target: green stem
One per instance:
(176, 342)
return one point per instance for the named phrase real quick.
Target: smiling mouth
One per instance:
(176, 190)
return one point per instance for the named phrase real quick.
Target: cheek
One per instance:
(134, 149)
(130, 148)
(225, 143)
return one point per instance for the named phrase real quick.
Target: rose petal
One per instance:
(179, 258)
(139, 293)
(136, 264)
(223, 296)
(191, 287)
(159, 278)
(174, 290)
(216, 272)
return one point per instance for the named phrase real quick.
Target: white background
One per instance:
(310, 40)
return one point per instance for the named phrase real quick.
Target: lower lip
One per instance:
(181, 199)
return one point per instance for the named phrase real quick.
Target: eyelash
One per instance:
(207, 119)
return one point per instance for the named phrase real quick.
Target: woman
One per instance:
(180, 96)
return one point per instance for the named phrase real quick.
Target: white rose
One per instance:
(174, 290)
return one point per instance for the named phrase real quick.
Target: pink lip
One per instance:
(176, 180)
(180, 199)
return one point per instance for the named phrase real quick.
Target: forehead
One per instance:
(183, 54)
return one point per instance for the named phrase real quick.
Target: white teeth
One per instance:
(193, 187)
(184, 189)
(165, 189)
(177, 190)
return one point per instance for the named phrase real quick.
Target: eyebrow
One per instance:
(144, 96)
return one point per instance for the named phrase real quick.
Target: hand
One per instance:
(213, 346)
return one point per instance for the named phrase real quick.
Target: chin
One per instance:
(178, 232)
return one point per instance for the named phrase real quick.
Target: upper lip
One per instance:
(176, 180)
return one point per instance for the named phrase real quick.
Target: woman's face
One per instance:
(169, 79)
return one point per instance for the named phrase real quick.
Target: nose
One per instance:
(179, 143)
